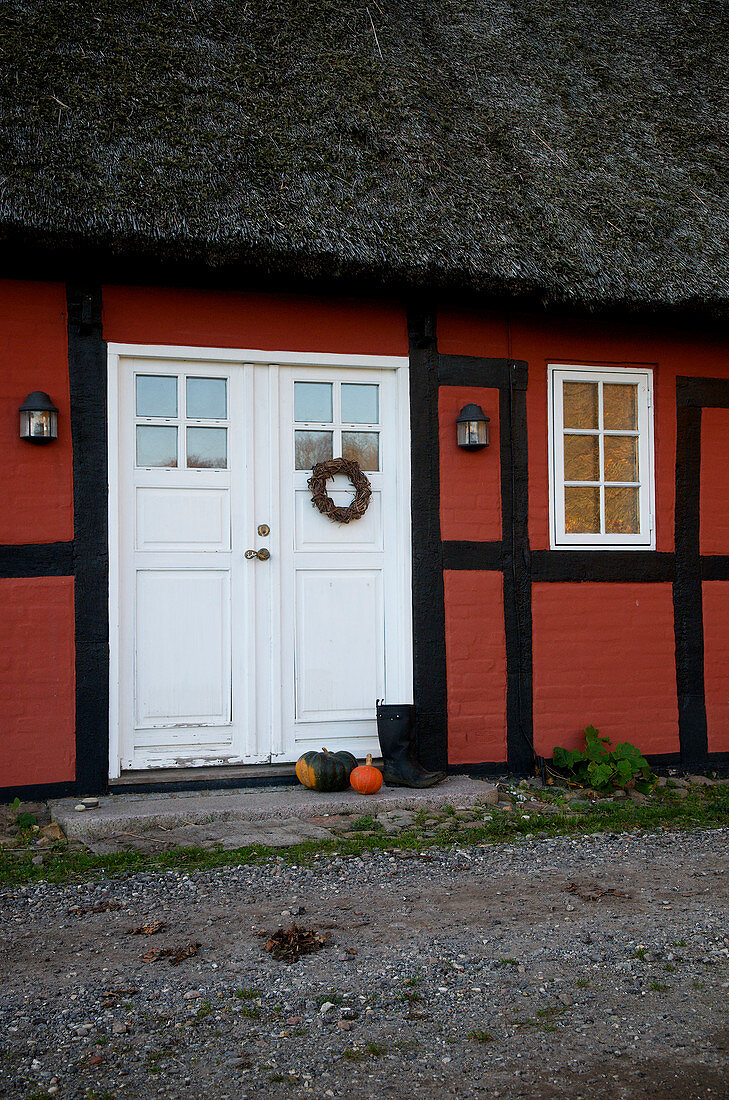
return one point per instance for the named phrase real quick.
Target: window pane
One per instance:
(621, 457)
(206, 398)
(581, 458)
(312, 401)
(156, 396)
(156, 446)
(580, 404)
(621, 511)
(312, 447)
(360, 404)
(581, 510)
(207, 448)
(363, 447)
(620, 406)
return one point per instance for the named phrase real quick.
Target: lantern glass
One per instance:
(38, 424)
(38, 418)
(472, 428)
(473, 433)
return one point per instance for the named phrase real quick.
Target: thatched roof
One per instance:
(572, 150)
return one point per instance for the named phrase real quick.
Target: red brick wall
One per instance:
(470, 481)
(716, 663)
(36, 490)
(476, 667)
(604, 656)
(219, 319)
(715, 482)
(37, 681)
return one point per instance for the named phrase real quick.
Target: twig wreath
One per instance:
(321, 499)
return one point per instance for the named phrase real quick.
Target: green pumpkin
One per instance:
(325, 771)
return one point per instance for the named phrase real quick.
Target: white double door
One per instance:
(221, 657)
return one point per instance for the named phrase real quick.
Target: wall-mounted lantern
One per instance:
(38, 418)
(472, 428)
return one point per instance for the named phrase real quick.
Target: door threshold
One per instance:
(218, 777)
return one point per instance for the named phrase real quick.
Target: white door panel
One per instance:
(183, 519)
(223, 659)
(183, 648)
(339, 644)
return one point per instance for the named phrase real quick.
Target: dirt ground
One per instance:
(582, 967)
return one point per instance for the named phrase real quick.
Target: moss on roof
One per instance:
(576, 151)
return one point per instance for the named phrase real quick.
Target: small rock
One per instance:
(326, 1007)
(565, 999)
(80, 807)
(119, 1028)
(344, 1025)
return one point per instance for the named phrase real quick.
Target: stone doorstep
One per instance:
(135, 813)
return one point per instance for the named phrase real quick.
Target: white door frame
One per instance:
(119, 351)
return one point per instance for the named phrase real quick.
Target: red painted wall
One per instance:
(36, 489)
(214, 318)
(604, 656)
(470, 481)
(714, 503)
(37, 680)
(716, 662)
(538, 340)
(476, 667)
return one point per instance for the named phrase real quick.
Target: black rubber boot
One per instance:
(396, 731)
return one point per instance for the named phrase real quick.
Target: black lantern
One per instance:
(472, 428)
(38, 418)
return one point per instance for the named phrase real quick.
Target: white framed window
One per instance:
(600, 458)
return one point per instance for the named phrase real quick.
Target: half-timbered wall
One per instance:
(517, 647)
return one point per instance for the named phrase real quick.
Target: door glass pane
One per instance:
(312, 447)
(362, 447)
(312, 401)
(580, 404)
(581, 458)
(620, 406)
(621, 457)
(582, 510)
(206, 398)
(156, 445)
(156, 395)
(207, 448)
(360, 404)
(621, 511)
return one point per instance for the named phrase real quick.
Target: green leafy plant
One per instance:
(602, 767)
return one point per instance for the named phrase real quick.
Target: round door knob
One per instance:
(263, 554)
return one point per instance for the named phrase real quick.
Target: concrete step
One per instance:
(118, 812)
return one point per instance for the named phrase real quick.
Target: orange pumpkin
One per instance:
(365, 779)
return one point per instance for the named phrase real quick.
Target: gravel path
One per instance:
(593, 967)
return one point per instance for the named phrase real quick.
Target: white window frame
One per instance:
(645, 539)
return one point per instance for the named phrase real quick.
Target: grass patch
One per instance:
(332, 997)
(481, 1036)
(353, 1054)
(707, 807)
(247, 993)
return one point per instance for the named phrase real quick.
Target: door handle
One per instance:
(263, 554)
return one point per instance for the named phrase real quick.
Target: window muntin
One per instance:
(181, 421)
(601, 458)
(337, 418)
